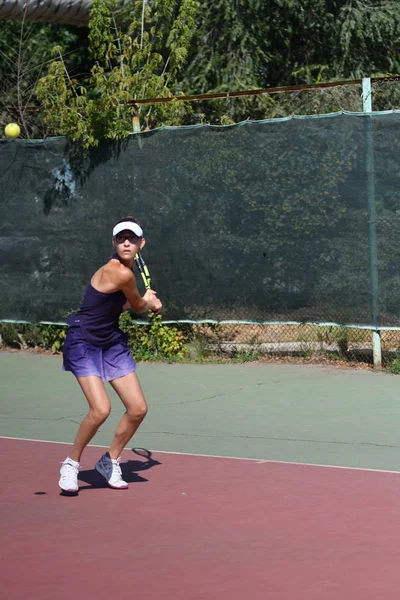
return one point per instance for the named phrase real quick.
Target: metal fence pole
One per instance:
(373, 257)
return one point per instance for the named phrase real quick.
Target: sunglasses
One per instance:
(131, 237)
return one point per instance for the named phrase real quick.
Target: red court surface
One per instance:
(196, 528)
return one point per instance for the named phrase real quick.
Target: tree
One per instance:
(259, 44)
(126, 66)
(25, 51)
(227, 45)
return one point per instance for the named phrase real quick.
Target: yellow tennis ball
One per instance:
(12, 131)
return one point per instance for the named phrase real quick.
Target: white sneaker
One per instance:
(111, 471)
(69, 475)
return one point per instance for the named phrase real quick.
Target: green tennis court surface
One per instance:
(292, 413)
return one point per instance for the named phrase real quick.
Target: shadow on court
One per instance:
(130, 471)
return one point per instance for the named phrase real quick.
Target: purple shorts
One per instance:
(84, 359)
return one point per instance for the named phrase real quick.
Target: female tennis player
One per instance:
(96, 351)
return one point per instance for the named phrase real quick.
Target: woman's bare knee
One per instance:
(129, 390)
(137, 412)
(99, 414)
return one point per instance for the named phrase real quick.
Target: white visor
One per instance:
(134, 227)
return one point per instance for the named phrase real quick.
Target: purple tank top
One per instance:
(98, 317)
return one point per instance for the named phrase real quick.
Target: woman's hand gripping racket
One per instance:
(145, 275)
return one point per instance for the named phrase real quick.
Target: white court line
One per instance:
(259, 461)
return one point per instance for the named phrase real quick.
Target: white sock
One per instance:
(72, 461)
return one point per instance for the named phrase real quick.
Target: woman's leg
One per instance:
(99, 409)
(129, 390)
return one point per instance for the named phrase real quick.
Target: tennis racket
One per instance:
(145, 276)
(143, 270)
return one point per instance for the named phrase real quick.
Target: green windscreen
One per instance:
(281, 220)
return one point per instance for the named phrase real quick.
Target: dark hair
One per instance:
(130, 219)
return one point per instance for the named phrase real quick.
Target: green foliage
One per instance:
(153, 341)
(255, 44)
(246, 356)
(52, 337)
(151, 48)
(368, 35)
(9, 334)
(394, 366)
(25, 50)
(147, 342)
(126, 66)
(24, 335)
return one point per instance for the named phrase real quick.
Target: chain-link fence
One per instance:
(315, 99)
(266, 234)
(302, 341)
(215, 341)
